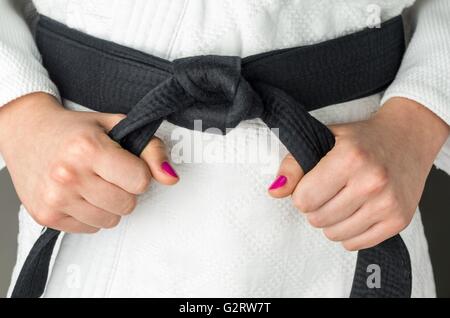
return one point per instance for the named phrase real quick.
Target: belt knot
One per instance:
(222, 96)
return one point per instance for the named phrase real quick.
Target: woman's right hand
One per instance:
(67, 172)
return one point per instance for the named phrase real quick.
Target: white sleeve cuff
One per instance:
(424, 73)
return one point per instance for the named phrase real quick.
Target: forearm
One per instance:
(419, 127)
(23, 113)
(423, 75)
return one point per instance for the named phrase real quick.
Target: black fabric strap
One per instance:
(280, 87)
(33, 276)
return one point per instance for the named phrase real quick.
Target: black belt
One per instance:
(280, 87)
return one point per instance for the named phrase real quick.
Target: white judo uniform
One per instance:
(217, 233)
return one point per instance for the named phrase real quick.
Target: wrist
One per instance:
(25, 111)
(415, 124)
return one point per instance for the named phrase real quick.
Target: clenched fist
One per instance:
(367, 188)
(66, 170)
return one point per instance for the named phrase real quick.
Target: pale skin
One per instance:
(67, 172)
(72, 177)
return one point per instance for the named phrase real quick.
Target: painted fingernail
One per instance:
(169, 169)
(278, 183)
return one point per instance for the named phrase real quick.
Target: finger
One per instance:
(107, 196)
(70, 225)
(154, 154)
(339, 208)
(120, 167)
(338, 129)
(321, 184)
(287, 178)
(88, 214)
(372, 237)
(353, 226)
(108, 121)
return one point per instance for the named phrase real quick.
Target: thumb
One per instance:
(287, 178)
(338, 129)
(154, 154)
(108, 121)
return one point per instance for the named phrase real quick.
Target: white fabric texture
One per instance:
(217, 233)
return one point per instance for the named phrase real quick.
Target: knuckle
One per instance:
(316, 220)
(296, 203)
(357, 155)
(90, 230)
(112, 222)
(331, 235)
(399, 223)
(52, 197)
(46, 217)
(378, 179)
(302, 201)
(349, 246)
(82, 145)
(129, 205)
(62, 173)
(142, 180)
(390, 201)
(373, 215)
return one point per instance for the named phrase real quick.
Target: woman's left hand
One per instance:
(367, 188)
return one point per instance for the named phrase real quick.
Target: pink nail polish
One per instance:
(167, 168)
(278, 183)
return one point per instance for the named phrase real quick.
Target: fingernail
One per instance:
(168, 169)
(278, 183)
